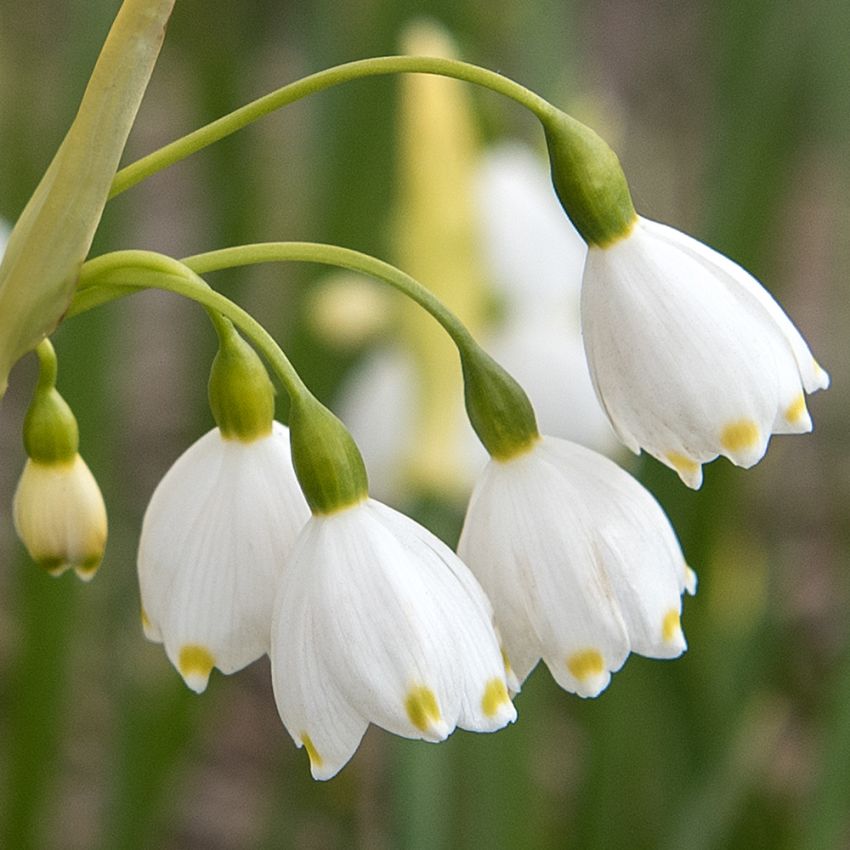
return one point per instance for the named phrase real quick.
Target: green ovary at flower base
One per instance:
(58, 508)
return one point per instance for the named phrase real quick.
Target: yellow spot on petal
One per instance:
(146, 623)
(671, 625)
(740, 436)
(495, 696)
(422, 709)
(683, 464)
(586, 664)
(796, 410)
(312, 752)
(195, 660)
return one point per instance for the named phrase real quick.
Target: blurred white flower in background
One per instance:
(532, 258)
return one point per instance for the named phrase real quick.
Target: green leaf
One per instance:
(53, 235)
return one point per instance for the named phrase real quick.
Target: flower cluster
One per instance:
(263, 539)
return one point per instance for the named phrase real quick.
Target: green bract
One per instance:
(589, 180)
(327, 461)
(240, 393)
(39, 271)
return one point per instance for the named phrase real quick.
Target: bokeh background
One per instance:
(732, 122)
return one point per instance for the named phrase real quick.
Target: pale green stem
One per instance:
(333, 255)
(48, 364)
(498, 408)
(374, 67)
(135, 270)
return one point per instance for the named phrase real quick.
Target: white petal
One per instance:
(689, 355)
(314, 712)
(214, 540)
(636, 546)
(682, 369)
(814, 377)
(535, 561)
(399, 628)
(579, 561)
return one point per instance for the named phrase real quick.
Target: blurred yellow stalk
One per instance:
(437, 243)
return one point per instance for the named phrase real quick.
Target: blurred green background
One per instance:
(732, 122)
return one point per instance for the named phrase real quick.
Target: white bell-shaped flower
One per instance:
(377, 621)
(60, 516)
(579, 561)
(689, 354)
(214, 541)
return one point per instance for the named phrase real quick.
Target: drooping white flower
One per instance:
(689, 354)
(579, 561)
(60, 516)
(215, 538)
(377, 621)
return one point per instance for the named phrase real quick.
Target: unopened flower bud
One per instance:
(58, 509)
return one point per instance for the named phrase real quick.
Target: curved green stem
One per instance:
(498, 408)
(111, 275)
(374, 67)
(47, 363)
(333, 255)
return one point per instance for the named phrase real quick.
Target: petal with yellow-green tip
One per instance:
(579, 561)
(377, 621)
(214, 541)
(690, 356)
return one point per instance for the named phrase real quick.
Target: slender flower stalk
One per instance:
(374, 67)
